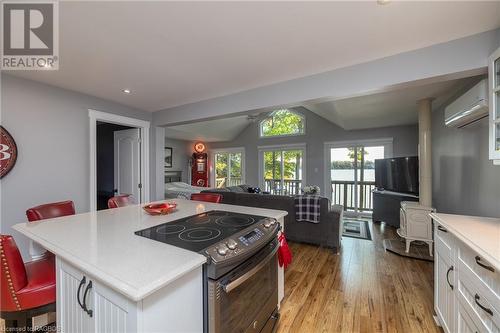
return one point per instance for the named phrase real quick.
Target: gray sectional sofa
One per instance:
(325, 233)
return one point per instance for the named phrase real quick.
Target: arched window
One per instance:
(282, 122)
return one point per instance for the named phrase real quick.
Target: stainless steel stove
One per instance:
(241, 271)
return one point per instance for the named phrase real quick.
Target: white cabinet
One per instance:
(494, 86)
(70, 315)
(466, 286)
(444, 281)
(464, 322)
(84, 305)
(111, 311)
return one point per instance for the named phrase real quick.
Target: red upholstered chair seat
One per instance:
(120, 201)
(51, 210)
(41, 287)
(24, 286)
(207, 197)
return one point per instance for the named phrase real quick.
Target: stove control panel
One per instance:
(244, 241)
(251, 237)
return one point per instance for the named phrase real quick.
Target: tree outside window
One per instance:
(281, 123)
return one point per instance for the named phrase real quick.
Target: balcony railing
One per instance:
(343, 193)
(225, 182)
(290, 186)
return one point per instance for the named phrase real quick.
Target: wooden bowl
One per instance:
(160, 208)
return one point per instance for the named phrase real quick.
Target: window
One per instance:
(282, 169)
(282, 122)
(228, 167)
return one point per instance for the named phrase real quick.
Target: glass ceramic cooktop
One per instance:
(198, 232)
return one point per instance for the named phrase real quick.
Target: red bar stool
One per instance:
(48, 211)
(51, 210)
(120, 201)
(207, 197)
(27, 289)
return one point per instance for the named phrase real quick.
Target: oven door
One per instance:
(245, 299)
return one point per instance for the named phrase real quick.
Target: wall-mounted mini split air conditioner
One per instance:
(468, 108)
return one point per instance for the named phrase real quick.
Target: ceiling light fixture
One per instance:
(383, 2)
(126, 91)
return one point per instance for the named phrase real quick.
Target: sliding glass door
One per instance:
(352, 176)
(228, 168)
(283, 170)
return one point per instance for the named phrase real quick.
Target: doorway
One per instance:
(282, 169)
(351, 173)
(228, 167)
(119, 158)
(117, 162)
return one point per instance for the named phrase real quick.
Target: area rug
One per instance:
(356, 228)
(417, 251)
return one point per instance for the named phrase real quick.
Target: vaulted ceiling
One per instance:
(173, 53)
(390, 108)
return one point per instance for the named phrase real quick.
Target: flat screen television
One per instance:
(399, 174)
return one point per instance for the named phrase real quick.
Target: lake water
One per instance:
(348, 174)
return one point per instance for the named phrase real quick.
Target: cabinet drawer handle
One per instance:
(447, 277)
(485, 309)
(89, 286)
(440, 228)
(478, 261)
(82, 282)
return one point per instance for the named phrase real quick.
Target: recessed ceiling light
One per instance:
(126, 91)
(383, 2)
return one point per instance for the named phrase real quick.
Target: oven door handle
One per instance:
(247, 275)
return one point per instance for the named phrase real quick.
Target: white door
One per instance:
(351, 175)
(128, 163)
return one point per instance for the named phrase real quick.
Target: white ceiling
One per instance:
(225, 129)
(172, 53)
(391, 108)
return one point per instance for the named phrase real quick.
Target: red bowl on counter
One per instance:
(160, 208)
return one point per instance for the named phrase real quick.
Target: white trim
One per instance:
(388, 152)
(285, 146)
(494, 154)
(292, 146)
(144, 126)
(365, 143)
(211, 154)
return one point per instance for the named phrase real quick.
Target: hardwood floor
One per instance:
(363, 289)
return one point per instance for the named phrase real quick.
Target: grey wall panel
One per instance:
(465, 181)
(51, 128)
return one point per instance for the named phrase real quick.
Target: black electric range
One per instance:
(197, 233)
(241, 254)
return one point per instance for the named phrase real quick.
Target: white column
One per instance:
(424, 151)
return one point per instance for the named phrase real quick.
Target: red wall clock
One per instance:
(8, 152)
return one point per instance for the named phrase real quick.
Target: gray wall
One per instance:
(51, 129)
(181, 153)
(318, 131)
(465, 181)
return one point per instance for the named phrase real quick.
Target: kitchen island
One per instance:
(134, 284)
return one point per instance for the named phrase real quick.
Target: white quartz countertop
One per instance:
(103, 244)
(481, 234)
